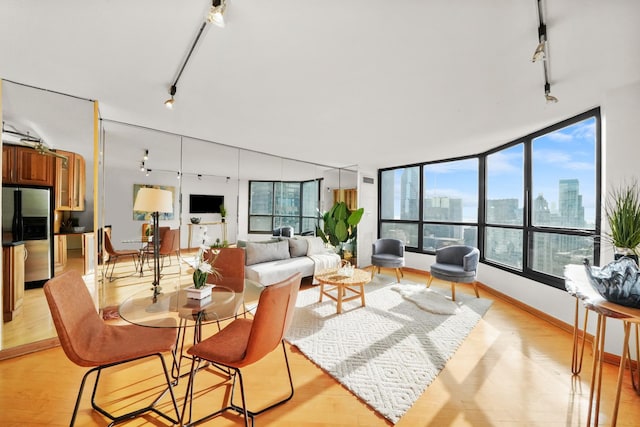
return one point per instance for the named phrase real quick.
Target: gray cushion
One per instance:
(263, 252)
(387, 260)
(452, 273)
(297, 247)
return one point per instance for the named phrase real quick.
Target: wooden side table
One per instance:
(336, 286)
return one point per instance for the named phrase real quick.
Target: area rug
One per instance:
(386, 353)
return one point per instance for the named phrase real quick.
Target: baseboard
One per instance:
(21, 350)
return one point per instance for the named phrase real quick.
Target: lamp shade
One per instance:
(153, 200)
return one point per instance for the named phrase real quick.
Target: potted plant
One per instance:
(622, 210)
(223, 212)
(340, 226)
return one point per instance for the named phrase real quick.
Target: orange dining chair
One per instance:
(229, 262)
(246, 341)
(169, 245)
(90, 342)
(115, 255)
(147, 250)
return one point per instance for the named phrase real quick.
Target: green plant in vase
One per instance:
(223, 212)
(340, 225)
(202, 265)
(622, 210)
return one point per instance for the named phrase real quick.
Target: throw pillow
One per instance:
(316, 246)
(297, 247)
(264, 252)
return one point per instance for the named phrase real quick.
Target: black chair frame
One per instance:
(236, 374)
(116, 419)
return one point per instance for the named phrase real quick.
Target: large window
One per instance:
(400, 203)
(531, 206)
(450, 204)
(274, 204)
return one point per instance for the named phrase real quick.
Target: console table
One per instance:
(222, 224)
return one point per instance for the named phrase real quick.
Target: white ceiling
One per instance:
(377, 83)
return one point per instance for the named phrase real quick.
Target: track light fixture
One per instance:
(541, 54)
(216, 13)
(547, 94)
(215, 16)
(179, 176)
(142, 168)
(169, 102)
(148, 171)
(146, 155)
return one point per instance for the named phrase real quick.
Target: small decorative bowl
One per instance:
(618, 281)
(195, 220)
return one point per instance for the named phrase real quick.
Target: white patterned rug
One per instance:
(386, 353)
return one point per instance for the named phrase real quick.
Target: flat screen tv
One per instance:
(205, 203)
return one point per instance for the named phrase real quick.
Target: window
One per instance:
(564, 196)
(504, 209)
(399, 203)
(274, 204)
(450, 199)
(532, 205)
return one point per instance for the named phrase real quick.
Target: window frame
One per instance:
(300, 217)
(527, 228)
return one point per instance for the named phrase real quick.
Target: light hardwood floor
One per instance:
(512, 370)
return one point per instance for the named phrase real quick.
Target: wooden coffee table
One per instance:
(336, 286)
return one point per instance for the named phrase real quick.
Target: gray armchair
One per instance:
(456, 264)
(285, 231)
(388, 253)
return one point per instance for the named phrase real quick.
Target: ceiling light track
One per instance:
(541, 53)
(215, 16)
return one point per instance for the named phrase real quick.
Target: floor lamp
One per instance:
(154, 200)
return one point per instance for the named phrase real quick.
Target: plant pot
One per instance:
(199, 293)
(625, 253)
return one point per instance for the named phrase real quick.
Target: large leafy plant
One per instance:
(622, 210)
(340, 224)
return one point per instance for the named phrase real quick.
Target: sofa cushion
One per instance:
(264, 252)
(297, 247)
(268, 273)
(316, 246)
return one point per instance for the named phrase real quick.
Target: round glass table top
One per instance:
(166, 309)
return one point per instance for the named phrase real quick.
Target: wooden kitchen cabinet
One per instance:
(8, 163)
(59, 252)
(12, 280)
(70, 182)
(25, 166)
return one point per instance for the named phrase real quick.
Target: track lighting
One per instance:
(547, 94)
(148, 171)
(142, 168)
(199, 177)
(179, 175)
(216, 13)
(541, 54)
(146, 155)
(216, 17)
(169, 102)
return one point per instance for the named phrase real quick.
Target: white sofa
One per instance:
(274, 260)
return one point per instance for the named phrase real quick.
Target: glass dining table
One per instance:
(158, 309)
(143, 242)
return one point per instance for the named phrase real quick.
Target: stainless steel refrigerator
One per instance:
(26, 216)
